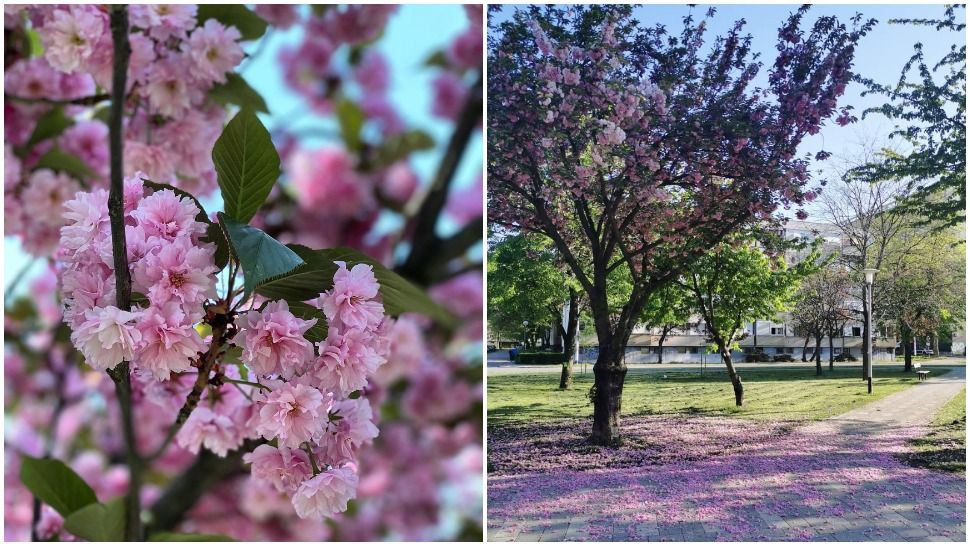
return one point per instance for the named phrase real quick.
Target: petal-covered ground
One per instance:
(697, 478)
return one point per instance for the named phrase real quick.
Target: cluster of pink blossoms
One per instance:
(169, 264)
(314, 410)
(171, 123)
(308, 401)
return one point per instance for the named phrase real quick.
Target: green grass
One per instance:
(944, 448)
(770, 394)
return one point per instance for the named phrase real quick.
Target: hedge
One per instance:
(540, 358)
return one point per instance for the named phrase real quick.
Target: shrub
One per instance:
(540, 358)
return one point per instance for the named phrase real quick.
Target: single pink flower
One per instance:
(293, 413)
(351, 300)
(284, 468)
(327, 493)
(106, 337)
(273, 342)
(169, 340)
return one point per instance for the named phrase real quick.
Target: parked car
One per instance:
(491, 347)
(783, 358)
(845, 357)
(924, 352)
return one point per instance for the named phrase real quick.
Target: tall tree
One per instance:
(928, 105)
(735, 284)
(926, 286)
(637, 148)
(821, 308)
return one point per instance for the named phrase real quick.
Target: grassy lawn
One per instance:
(770, 394)
(944, 448)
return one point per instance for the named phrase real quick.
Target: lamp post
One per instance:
(525, 334)
(870, 276)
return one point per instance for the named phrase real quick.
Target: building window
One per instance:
(692, 350)
(857, 331)
(777, 330)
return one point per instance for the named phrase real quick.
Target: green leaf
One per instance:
(351, 119)
(438, 59)
(237, 91)
(36, 45)
(214, 233)
(316, 276)
(250, 25)
(260, 256)
(98, 522)
(51, 124)
(305, 311)
(56, 484)
(247, 165)
(61, 161)
(400, 146)
(189, 537)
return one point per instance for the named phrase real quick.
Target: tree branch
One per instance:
(116, 213)
(425, 241)
(81, 101)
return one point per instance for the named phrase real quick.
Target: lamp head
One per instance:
(870, 274)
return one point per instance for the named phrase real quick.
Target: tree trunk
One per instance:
(569, 340)
(907, 339)
(818, 355)
(660, 346)
(936, 344)
(735, 378)
(805, 349)
(609, 373)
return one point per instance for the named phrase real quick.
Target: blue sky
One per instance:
(880, 56)
(412, 34)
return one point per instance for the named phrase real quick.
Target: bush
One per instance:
(783, 358)
(845, 357)
(540, 358)
(757, 357)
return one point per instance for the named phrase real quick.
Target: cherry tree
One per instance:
(181, 371)
(635, 147)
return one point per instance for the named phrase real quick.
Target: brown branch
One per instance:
(116, 213)
(425, 242)
(81, 101)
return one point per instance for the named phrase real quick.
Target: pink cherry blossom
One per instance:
(284, 468)
(326, 178)
(273, 342)
(351, 427)
(281, 16)
(293, 413)
(449, 96)
(346, 361)
(351, 300)
(373, 73)
(214, 50)
(206, 428)
(106, 337)
(326, 493)
(167, 215)
(71, 35)
(180, 270)
(156, 162)
(169, 341)
(162, 21)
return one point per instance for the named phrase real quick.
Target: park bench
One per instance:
(922, 374)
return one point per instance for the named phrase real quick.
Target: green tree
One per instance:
(524, 285)
(926, 286)
(736, 283)
(929, 106)
(669, 308)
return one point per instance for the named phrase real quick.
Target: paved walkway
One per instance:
(834, 480)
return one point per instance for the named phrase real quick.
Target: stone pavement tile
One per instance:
(555, 532)
(912, 533)
(578, 530)
(506, 534)
(531, 533)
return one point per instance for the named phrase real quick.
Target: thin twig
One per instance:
(81, 101)
(244, 382)
(17, 278)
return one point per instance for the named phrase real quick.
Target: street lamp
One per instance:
(525, 334)
(870, 276)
